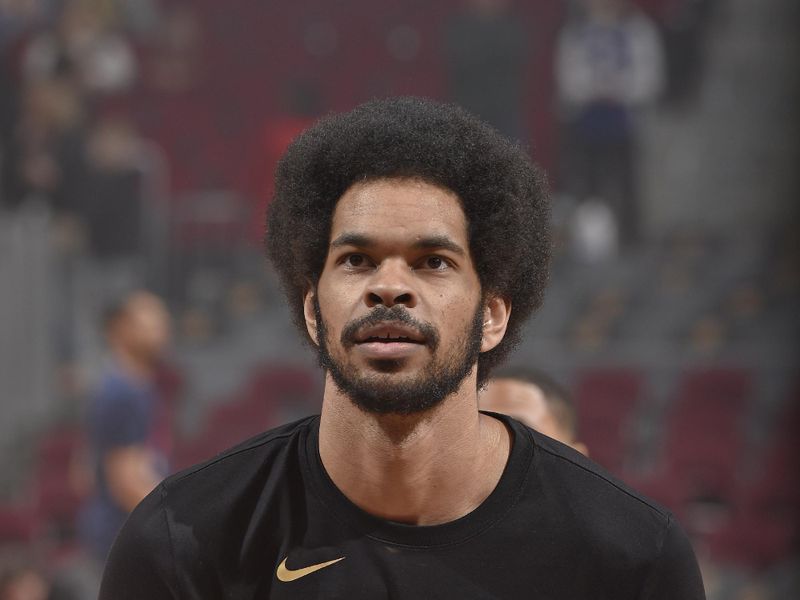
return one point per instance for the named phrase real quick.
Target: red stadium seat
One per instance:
(703, 442)
(18, 524)
(260, 404)
(57, 493)
(605, 402)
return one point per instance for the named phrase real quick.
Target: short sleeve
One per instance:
(119, 417)
(675, 574)
(140, 564)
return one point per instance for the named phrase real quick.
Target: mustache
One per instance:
(383, 315)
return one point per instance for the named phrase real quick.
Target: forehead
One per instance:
(407, 208)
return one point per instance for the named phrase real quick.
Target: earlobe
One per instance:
(496, 313)
(310, 315)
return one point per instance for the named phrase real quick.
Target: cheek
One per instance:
(456, 312)
(333, 311)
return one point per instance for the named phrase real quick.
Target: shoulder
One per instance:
(141, 561)
(619, 528)
(602, 508)
(612, 526)
(206, 497)
(579, 474)
(271, 456)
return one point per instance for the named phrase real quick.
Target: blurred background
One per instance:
(138, 140)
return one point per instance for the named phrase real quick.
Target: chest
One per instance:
(321, 558)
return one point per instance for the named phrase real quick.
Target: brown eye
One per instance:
(434, 262)
(355, 260)
(437, 263)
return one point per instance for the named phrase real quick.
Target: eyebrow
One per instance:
(434, 242)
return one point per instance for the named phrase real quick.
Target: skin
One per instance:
(525, 402)
(438, 465)
(27, 585)
(137, 340)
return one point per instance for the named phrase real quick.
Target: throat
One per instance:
(413, 470)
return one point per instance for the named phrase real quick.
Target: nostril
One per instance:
(389, 299)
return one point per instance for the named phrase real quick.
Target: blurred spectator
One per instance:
(129, 426)
(23, 583)
(608, 63)
(21, 578)
(55, 157)
(17, 16)
(112, 198)
(140, 17)
(594, 234)
(86, 46)
(177, 65)
(486, 54)
(536, 400)
(45, 156)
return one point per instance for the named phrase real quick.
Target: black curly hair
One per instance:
(503, 194)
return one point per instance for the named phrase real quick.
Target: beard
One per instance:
(385, 392)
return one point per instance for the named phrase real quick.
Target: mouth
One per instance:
(389, 341)
(390, 334)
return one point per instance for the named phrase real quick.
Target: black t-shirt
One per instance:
(264, 520)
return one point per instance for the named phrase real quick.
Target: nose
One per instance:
(390, 285)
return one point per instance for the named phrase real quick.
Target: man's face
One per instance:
(526, 403)
(397, 312)
(145, 327)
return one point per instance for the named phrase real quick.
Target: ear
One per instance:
(496, 313)
(308, 313)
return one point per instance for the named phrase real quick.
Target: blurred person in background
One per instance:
(87, 172)
(18, 16)
(177, 64)
(86, 45)
(24, 582)
(111, 206)
(486, 55)
(535, 399)
(609, 63)
(129, 430)
(45, 157)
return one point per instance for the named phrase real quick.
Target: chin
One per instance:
(389, 366)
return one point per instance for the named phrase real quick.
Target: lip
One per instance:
(389, 334)
(389, 350)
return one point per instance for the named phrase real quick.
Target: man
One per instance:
(127, 428)
(608, 64)
(412, 242)
(536, 400)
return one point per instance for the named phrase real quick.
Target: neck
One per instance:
(133, 365)
(420, 469)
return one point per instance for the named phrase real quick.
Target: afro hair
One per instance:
(503, 194)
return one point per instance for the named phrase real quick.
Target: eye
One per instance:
(355, 261)
(435, 263)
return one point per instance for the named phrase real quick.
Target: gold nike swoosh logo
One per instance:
(286, 574)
